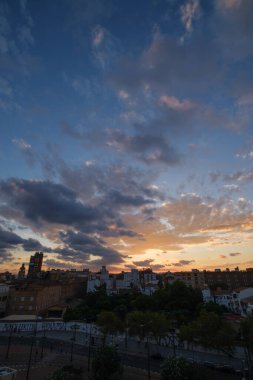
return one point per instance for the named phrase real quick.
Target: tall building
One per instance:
(35, 265)
(21, 273)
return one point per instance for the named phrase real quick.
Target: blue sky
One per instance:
(126, 133)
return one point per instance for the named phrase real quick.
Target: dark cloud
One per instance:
(147, 147)
(143, 263)
(167, 63)
(44, 202)
(119, 199)
(58, 264)
(34, 245)
(157, 266)
(233, 254)
(78, 247)
(9, 241)
(182, 263)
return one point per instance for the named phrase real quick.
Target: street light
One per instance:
(43, 341)
(148, 354)
(31, 350)
(173, 335)
(89, 349)
(9, 342)
(148, 349)
(75, 327)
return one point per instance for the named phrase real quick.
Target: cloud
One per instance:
(168, 64)
(190, 11)
(228, 4)
(60, 264)
(10, 241)
(98, 35)
(105, 46)
(234, 29)
(176, 104)
(149, 148)
(143, 263)
(233, 254)
(27, 151)
(53, 207)
(34, 245)
(80, 247)
(182, 263)
(240, 176)
(119, 199)
(157, 266)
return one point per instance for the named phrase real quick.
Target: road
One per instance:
(135, 354)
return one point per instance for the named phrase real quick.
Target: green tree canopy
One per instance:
(181, 369)
(143, 324)
(210, 330)
(109, 323)
(247, 331)
(107, 365)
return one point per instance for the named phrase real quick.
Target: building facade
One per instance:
(35, 265)
(4, 293)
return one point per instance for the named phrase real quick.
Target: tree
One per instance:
(212, 307)
(138, 324)
(143, 324)
(178, 368)
(247, 331)
(178, 299)
(107, 365)
(109, 323)
(66, 373)
(210, 330)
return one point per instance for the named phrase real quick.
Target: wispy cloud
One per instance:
(190, 11)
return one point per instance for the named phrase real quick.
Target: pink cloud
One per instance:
(176, 104)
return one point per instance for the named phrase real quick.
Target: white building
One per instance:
(96, 280)
(239, 301)
(247, 305)
(207, 295)
(238, 296)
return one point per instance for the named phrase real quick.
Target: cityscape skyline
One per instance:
(126, 134)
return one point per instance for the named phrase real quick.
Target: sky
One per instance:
(126, 135)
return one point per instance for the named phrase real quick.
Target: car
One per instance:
(226, 368)
(210, 365)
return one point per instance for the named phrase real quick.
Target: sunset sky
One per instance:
(126, 133)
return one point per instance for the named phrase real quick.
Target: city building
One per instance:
(4, 292)
(195, 278)
(31, 298)
(144, 281)
(225, 279)
(230, 279)
(239, 301)
(21, 273)
(35, 265)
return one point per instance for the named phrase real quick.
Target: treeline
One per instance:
(177, 301)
